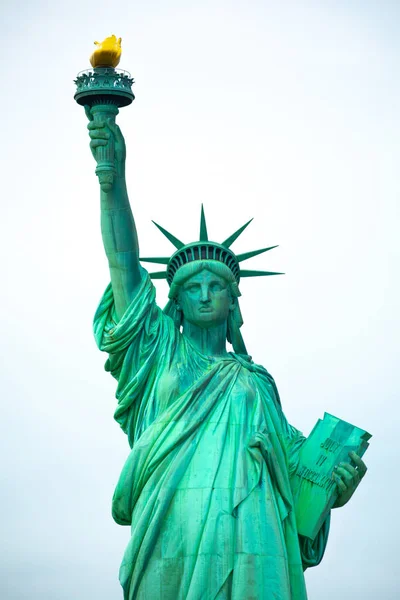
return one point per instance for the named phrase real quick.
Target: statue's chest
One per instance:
(174, 381)
(239, 386)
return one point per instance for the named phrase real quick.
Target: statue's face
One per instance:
(205, 300)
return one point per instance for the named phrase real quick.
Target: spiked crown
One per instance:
(206, 250)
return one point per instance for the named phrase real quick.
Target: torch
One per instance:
(105, 89)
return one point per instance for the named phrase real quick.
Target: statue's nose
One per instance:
(205, 294)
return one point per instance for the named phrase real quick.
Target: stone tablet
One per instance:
(314, 489)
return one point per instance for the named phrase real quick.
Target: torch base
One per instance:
(104, 85)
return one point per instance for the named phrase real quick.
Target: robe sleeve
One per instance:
(143, 338)
(313, 552)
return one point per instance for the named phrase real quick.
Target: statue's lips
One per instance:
(205, 309)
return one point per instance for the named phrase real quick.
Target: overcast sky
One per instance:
(282, 111)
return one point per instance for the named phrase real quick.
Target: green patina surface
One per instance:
(207, 487)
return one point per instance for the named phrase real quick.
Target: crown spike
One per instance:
(249, 273)
(177, 243)
(229, 241)
(158, 275)
(161, 260)
(247, 255)
(203, 226)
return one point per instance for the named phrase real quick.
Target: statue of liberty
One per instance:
(206, 488)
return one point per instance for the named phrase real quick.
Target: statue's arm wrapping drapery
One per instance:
(136, 344)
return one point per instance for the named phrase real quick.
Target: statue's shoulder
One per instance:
(247, 361)
(260, 371)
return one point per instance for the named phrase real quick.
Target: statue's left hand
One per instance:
(348, 478)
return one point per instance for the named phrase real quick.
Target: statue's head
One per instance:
(205, 292)
(203, 278)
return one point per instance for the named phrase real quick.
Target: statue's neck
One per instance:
(211, 342)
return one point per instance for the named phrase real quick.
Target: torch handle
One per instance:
(105, 169)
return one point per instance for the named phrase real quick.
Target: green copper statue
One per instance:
(210, 486)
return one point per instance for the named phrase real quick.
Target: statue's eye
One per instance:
(216, 287)
(193, 287)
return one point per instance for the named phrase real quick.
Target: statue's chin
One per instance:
(206, 320)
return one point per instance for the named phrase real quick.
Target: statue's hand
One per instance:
(348, 478)
(100, 132)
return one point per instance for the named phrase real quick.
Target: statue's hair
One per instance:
(187, 271)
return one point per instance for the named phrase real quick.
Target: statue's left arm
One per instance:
(311, 552)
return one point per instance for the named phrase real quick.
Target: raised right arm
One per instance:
(117, 223)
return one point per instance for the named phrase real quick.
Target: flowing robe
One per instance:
(206, 486)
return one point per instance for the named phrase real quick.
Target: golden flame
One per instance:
(107, 53)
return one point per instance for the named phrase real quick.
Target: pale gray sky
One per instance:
(282, 111)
